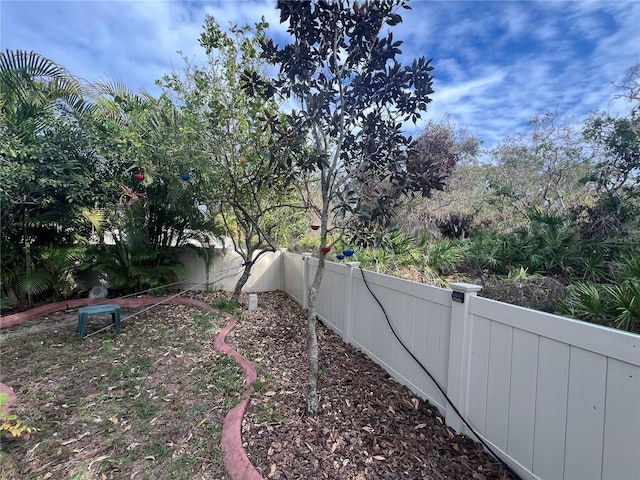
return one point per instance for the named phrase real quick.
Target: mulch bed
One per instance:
(369, 426)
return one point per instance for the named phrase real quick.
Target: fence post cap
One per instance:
(465, 287)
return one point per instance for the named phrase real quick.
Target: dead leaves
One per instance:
(140, 393)
(370, 427)
(335, 446)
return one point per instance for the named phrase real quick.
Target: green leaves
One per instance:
(394, 19)
(352, 98)
(625, 302)
(616, 145)
(35, 283)
(31, 88)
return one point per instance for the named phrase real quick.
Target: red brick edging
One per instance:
(236, 462)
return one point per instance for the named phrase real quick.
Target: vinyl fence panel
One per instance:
(420, 316)
(557, 399)
(621, 457)
(544, 398)
(293, 271)
(332, 295)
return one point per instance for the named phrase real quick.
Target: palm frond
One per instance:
(35, 284)
(31, 86)
(96, 217)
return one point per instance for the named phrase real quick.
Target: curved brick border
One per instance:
(236, 462)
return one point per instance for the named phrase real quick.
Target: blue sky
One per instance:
(497, 63)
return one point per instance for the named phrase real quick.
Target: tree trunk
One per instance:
(27, 254)
(29, 269)
(235, 298)
(312, 340)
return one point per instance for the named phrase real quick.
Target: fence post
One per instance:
(348, 302)
(459, 351)
(305, 279)
(281, 260)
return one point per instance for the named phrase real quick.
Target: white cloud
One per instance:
(497, 64)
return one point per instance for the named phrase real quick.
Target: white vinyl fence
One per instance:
(226, 268)
(555, 397)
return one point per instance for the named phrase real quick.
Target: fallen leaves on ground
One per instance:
(369, 426)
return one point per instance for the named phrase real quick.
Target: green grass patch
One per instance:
(233, 308)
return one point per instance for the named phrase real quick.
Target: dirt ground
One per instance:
(149, 403)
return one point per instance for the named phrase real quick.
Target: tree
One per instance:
(250, 189)
(542, 169)
(630, 87)
(351, 97)
(615, 143)
(461, 198)
(45, 165)
(154, 191)
(33, 89)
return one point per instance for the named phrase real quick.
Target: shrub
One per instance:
(614, 304)
(9, 424)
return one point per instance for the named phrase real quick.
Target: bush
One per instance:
(613, 304)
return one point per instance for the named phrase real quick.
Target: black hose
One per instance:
(442, 391)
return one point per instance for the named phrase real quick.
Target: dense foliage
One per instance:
(46, 163)
(94, 176)
(251, 188)
(554, 213)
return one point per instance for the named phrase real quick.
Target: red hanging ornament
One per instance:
(315, 227)
(325, 249)
(138, 176)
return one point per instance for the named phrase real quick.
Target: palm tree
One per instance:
(32, 87)
(151, 216)
(39, 101)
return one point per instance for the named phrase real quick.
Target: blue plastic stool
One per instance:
(85, 312)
